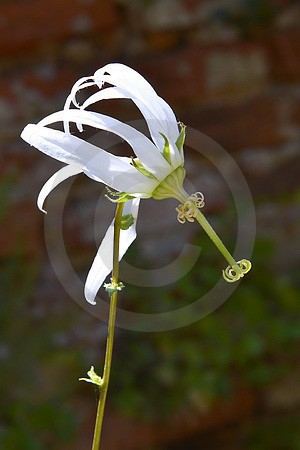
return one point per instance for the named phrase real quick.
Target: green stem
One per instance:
(111, 328)
(214, 237)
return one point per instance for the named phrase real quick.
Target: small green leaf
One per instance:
(181, 138)
(166, 152)
(139, 166)
(126, 221)
(93, 377)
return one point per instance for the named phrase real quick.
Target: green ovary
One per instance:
(172, 186)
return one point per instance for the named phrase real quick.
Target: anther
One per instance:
(198, 199)
(188, 210)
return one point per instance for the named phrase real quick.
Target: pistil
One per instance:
(189, 210)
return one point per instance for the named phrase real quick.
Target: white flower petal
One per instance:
(98, 164)
(103, 262)
(138, 88)
(80, 84)
(144, 149)
(155, 126)
(104, 94)
(55, 180)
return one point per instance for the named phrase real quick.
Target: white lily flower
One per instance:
(156, 172)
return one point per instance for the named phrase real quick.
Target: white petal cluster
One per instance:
(158, 162)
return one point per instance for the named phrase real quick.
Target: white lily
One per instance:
(157, 172)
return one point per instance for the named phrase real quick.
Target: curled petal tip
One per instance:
(40, 206)
(27, 133)
(91, 301)
(90, 295)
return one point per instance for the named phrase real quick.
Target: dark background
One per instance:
(230, 69)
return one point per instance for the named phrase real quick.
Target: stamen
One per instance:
(198, 199)
(188, 210)
(236, 271)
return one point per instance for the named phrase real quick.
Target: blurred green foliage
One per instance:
(251, 339)
(280, 433)
(248, 16)
(267, 433)
(34, 411)
(33, 393)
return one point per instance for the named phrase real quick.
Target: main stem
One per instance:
(214, 237)
(111, 328)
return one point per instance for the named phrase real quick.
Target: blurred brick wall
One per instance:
(229, 68)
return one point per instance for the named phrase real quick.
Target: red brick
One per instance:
(162, 40)
(190, 5)
(286, 177)
(184, 76)
(63, 79)
(284, 51)
(295, 114)
(252, 123)
(177, 76)
(5, 91)
(24, 26)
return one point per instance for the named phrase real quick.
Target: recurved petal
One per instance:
(144, 149)
(98, 164)
(137, 87)
(105, 94)
(154, 124)
(55, 180)
(103, 262)
(82, 83)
